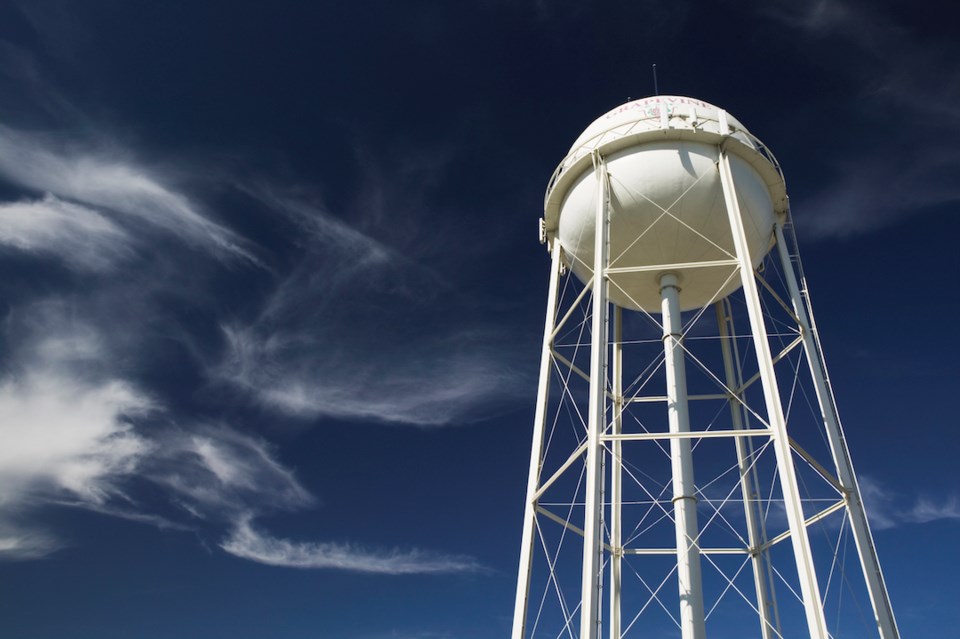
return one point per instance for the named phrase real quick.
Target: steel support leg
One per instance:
(616, 475)
(593, 498)
(536, 450)
(809, 587)
(692, 624)
(859, 526)
(756, 531)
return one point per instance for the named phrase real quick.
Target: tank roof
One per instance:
(656, 119)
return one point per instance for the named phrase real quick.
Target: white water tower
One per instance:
(689, 476)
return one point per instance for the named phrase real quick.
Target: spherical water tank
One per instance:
(666, 202)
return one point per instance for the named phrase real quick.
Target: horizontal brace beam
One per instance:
(673, 551)
(618, 270)
(693, 434)
(648, 399)
(810, 521)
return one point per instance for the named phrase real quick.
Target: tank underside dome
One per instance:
(667, 205)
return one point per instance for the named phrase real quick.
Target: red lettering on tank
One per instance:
(650, 106)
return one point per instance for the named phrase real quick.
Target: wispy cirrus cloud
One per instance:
(893, 75)
(59, 435)
(82, 425)
(888, 508)
(69, 382)
(65, 426)
(216, 473)
(870, 193)
(61, 443)
(359, 331)
(220, 475)
(61, 439)
(18, 543)
(74, 434)
(34, 94)
(67, 429)
(75, 234)
(247, 542)
(97, 174)
(426, 380)
(892, 62)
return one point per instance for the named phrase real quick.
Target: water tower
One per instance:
(689, 476)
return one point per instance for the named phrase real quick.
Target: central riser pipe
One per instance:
(681, 458)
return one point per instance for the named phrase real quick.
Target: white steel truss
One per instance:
(616, 520)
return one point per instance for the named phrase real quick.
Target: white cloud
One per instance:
(319, 227)
(887, 508)
(32, 92)
(427, 380)
(76, 431)
(870, 193)
(358, 331)
(123, 510)
(71, 435)
(893, 75)
(106, 179)
(885, 58)
(248, 543)
(61, 438)
(18, 544)
(215, 473)
(59, 435)
(926, 510)
(80, 236)
(74, 434)
(225, 477)
(63, 442)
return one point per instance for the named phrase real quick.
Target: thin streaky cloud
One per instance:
(85, 200)
(248, 543)
(425, 380)
(104, 178)
(125, 511)
(340, 336)
(317, 224)
(70, 444)
(214, 472)
(34, 93)
(895, 64)
(19, 544)
(925, 510)
(896, 76)
(854, 203)
(75, 434)
(888, 508)
(77, 441)
(62, 439)
(75, 234)
(59, 436)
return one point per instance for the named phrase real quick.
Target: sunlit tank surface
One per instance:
(666, 201)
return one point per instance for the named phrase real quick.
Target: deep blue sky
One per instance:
(272, 291)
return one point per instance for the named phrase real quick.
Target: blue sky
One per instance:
(272, 292)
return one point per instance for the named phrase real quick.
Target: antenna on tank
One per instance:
(656, 89)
